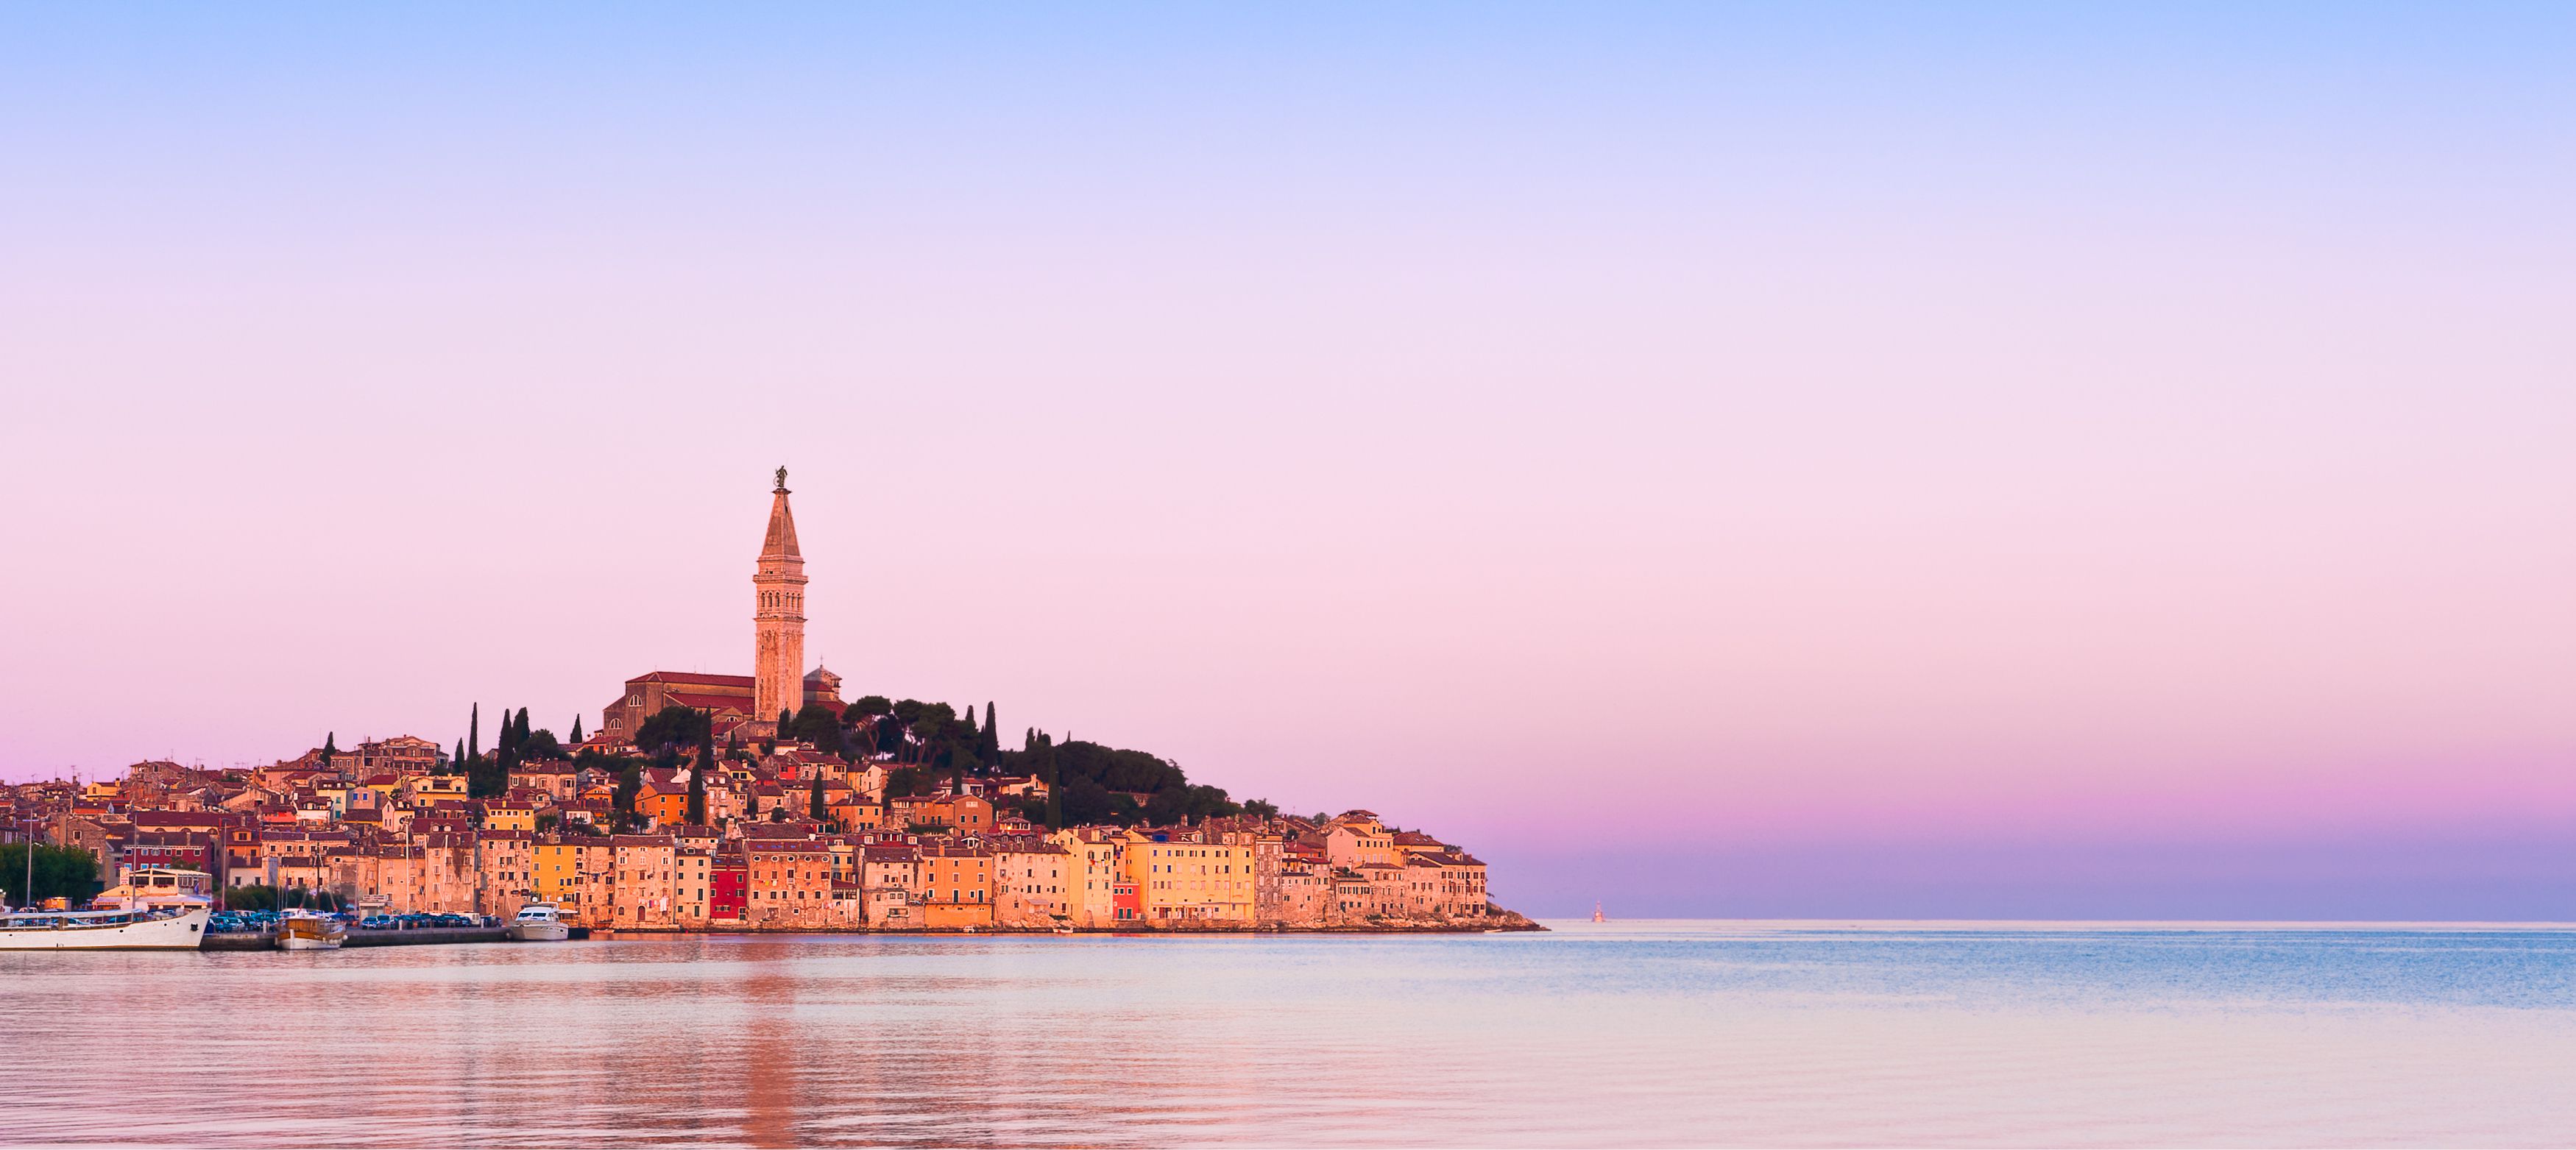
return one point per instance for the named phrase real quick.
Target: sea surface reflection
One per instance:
(1627, 1034)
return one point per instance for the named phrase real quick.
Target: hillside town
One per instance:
(762, 802)
(389, 825)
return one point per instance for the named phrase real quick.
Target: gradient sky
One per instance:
(1847, 461)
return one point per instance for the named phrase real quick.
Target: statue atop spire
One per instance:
(781, 489)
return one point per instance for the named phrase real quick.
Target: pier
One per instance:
(423, 936)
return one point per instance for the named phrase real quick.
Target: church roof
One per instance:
(742, 681)
(781, 541)
(706, 702)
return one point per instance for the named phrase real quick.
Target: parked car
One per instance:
(376, 922)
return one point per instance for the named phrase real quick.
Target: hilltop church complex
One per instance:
(746, 704)
(787, 809)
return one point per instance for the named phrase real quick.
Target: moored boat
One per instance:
(136, 929)
(539, 922)
(306, 930)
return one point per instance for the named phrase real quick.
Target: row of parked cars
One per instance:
(240, 921)
(265, 921)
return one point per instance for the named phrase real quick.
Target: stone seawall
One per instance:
(425, 936)
(1503, 920)
(428, 936)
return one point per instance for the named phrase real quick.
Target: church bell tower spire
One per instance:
(778, 616)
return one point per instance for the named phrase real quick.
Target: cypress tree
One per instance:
(474, 734)
(576, 728)
(505, 759)
(459, 764)
(814, 805)
(524, 729)
(989, 743)
(698, 777)
(786, 721)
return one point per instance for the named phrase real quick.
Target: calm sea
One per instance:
(1623, 1035)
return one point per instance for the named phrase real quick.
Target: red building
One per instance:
(185, 850)
(728, 888)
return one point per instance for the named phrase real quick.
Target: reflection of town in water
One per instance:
(1619, 1034)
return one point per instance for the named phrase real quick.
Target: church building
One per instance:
(746, 704)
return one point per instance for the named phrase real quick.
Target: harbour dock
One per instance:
(423, 936)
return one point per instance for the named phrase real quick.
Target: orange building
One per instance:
(954, 887)
(790, 885)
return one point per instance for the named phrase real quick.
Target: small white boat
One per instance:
(539, 922)
(307, 930)
(137, 929)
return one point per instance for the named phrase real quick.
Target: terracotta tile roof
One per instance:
(693, 677)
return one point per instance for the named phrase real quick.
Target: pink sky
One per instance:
(1547, 466)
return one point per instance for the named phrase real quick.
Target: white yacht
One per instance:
(160, 888)
(137, 929)
(539, 922)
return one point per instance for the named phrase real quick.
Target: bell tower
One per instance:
(778, 616)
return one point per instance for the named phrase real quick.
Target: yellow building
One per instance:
(552, 867)
(571, 867)
(509, 814)
(693, 878)
(1181, 877)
